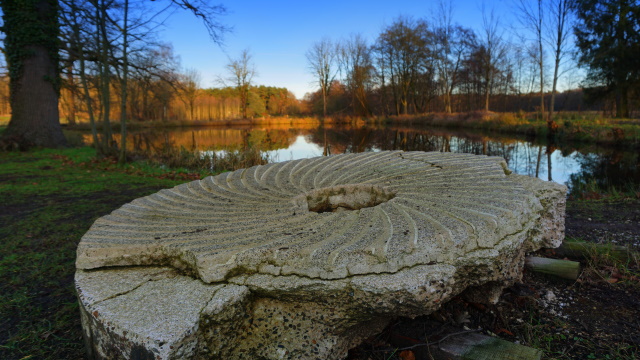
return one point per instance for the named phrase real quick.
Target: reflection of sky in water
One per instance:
(522, 158)
(603, 166)
(302, 148)
(561, 167)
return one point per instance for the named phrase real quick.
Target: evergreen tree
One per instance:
(608, 37)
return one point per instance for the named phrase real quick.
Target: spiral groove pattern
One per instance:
(381, 212)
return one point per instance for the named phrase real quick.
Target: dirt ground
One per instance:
(595, 317)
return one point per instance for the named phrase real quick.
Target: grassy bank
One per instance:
(49, 200)
(584, 127)
(135, 125)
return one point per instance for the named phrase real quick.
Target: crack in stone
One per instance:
(206, 304)
(152, 277)
(122, 293)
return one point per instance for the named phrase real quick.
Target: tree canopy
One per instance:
(608, 37)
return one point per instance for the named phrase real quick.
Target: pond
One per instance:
(575, 165)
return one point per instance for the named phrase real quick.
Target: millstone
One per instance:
(303, 259)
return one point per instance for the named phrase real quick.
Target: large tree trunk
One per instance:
(34, 103)
(34, 77)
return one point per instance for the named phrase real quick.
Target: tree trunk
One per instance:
(622, 104)
(553, 90)
(447, 100)
(541, 65)
(105, 77)
(551, 124)
(83, 77)
(324, 102)
(34, 103)
(122, 158)
(71, 92)
(541, 58)
(487, 96)
(34, 73)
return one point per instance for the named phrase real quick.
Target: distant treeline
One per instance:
(165, 103)
(414, 66)
(570, 100)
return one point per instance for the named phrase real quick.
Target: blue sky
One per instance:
(278, 33)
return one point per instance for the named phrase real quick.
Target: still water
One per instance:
(569, 164)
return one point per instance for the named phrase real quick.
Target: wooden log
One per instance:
(478, 346)
(561, 268)
(585, 250)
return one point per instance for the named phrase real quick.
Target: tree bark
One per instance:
(35, 119)
(34, 103)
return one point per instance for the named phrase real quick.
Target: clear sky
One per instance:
(278, 33)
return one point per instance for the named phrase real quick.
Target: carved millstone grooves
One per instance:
(304, 259)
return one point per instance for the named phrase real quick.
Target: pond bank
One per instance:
(580, 127)
(572, 127)
(51, 197)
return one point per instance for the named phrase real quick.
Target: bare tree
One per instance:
(209, 14)
(452, 44)
(323, 63)
(355, 60)
(38, 58)
(492, 52)
(531, 16)
(560, 23)
(241, 72)
(188, 87)
(122, 157)
(405, 60)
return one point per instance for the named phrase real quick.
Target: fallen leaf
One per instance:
(407, 355)
(504, 331)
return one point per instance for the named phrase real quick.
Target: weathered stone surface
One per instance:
(303, 259)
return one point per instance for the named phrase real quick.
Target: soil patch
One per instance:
(617, 222)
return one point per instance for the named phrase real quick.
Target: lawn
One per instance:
(49, 199)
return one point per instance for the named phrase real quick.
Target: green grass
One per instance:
(592, 189)
(49, 200)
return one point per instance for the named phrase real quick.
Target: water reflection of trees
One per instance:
(613, 168)
(523, 157)
(606, 171)
(212, 139)
(607, 168)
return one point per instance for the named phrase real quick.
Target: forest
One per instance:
(111, 65)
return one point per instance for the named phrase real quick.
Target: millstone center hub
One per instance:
(347, 197)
